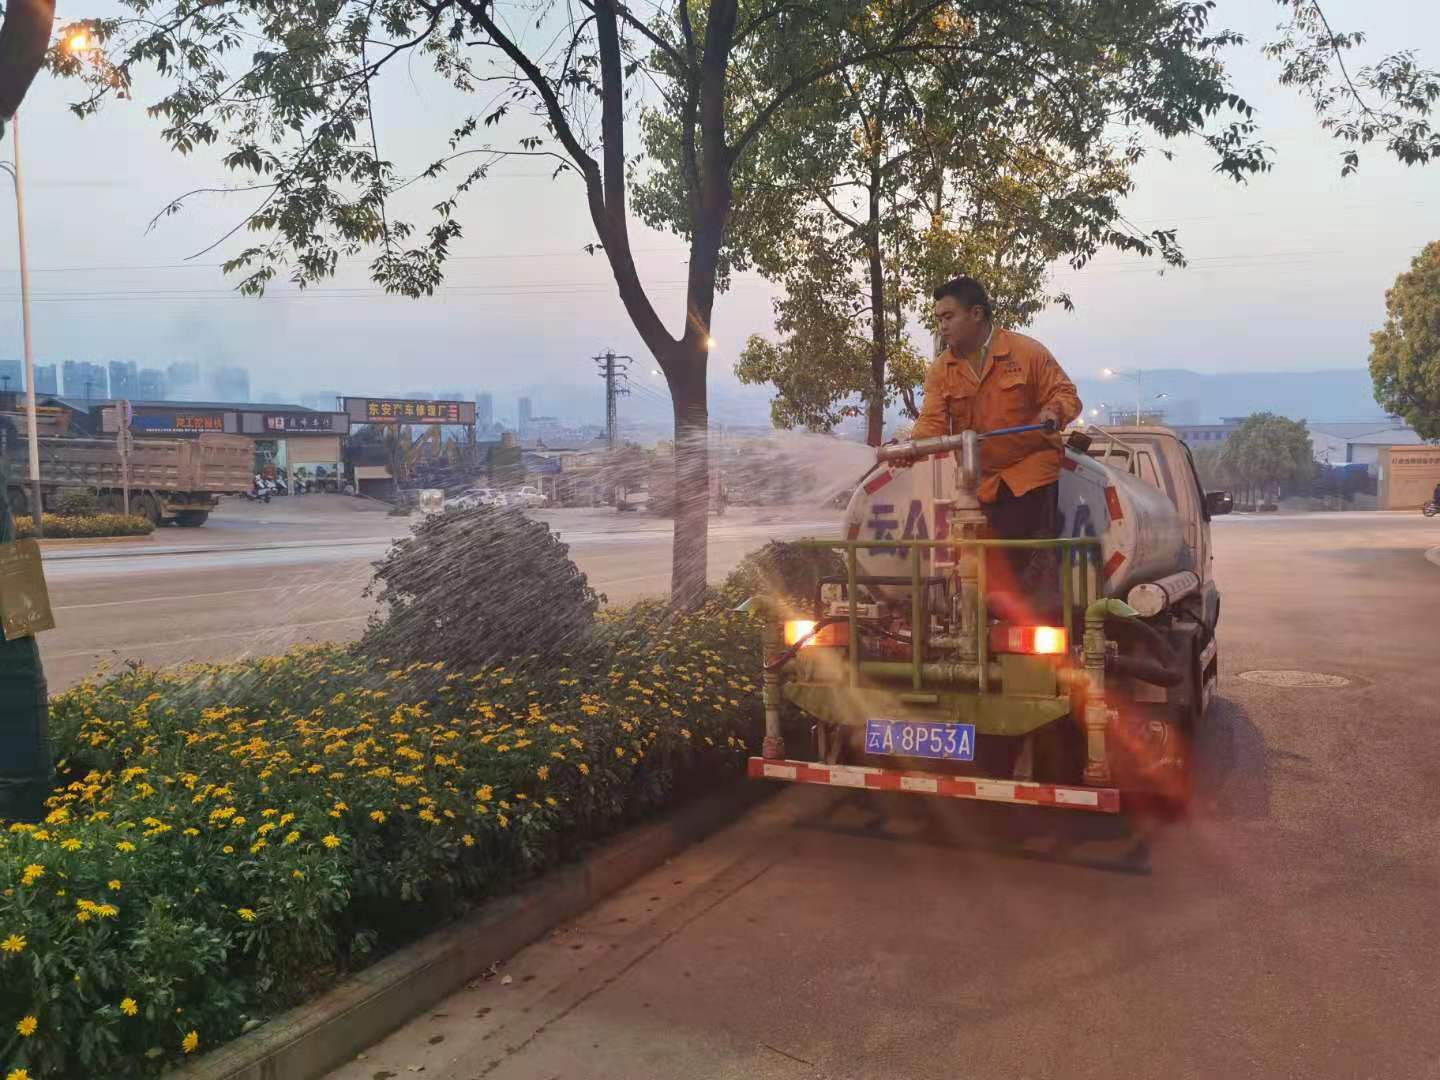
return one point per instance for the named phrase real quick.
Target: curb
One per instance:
(68, 541)
(311, 1039)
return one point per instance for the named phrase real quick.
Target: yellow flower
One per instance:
(190, 1042)
(298, 874)
(107, 911)
(504, 821)
(584, 769)
(619, 751)
(228, 850)
(13, 944)
(468, 840)
(124, 845)
(17, 1074)
(291, 837)
(377, 816)
(27, 1025)
(485, 794)
(246, 914)
(71, 844)
(265, 828)
(128, 1007)
(543, 772)
(330, 840)
(33, 873)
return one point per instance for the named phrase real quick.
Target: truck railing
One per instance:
(1079, 581)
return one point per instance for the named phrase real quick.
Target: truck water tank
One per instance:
(1142, 537)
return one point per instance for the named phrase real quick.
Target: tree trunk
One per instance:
(875, 426)
(690, 556)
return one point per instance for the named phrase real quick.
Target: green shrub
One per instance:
(77, 502)
(228, 839)
(93, 527)
(471, 587)
(784, 570)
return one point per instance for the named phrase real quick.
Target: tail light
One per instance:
(833, 635)
(1034, 640)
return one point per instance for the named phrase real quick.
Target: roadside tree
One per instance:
(1405, 353)
(1267, 452)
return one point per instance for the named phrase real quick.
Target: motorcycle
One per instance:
(259, 491)
(1430, 509)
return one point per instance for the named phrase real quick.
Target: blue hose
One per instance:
(1016, 430)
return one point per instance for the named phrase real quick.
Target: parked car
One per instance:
(469, 500)
(528, 496)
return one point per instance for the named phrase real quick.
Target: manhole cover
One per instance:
(1294, 679)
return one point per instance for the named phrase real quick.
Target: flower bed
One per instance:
(226, 840)
(95, 526)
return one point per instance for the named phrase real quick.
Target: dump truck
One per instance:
(177, 480)
(913, 671)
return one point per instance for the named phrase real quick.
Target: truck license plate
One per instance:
(952, 742)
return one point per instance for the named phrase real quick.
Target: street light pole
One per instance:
(17, 176)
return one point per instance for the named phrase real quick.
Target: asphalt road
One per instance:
(1287, 929)
(258, 579)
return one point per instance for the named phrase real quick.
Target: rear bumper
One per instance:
(1096, 800)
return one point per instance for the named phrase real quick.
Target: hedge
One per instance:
(227, 840)
(93, 527)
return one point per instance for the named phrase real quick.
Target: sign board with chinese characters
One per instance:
(406, 411)
(299, 422)
(24, 600)
(181, 421)
(1408, 476)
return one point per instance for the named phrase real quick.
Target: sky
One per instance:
(1287, 272)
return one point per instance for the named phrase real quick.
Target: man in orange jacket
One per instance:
(987, 379)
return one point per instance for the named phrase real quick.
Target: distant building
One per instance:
(12, 375)
(232, 384)
(46, 379)
(182, 382)
(418, 395)
(1208, 434)
(124, 379)
(1361, 442)
(149, 385)
(321, 401)
(551, 432)
(85, 381)
(525, 413)
(484, 411)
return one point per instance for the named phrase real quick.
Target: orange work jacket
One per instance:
(1020, 380)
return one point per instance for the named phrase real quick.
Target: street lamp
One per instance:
(1139, 378)
(17, 177)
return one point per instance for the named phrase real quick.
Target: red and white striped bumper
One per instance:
(1099, 800)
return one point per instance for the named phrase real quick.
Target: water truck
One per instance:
(925, 664)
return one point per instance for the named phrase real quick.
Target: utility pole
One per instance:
(613, 371)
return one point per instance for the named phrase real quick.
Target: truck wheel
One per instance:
(192, 519)
(1151, 762)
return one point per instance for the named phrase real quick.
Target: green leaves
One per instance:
(1405, 352)
(1267, 451)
